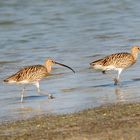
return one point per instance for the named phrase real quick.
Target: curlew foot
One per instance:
(50, 96)
(116, 81)
(104, 72)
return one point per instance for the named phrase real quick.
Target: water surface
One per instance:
(74, 33)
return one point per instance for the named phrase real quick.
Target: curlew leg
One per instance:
(22, 94)
(116, 80)
(38, 87)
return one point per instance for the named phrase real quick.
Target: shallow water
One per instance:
(73, 33)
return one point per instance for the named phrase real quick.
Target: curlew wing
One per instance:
(29, 73)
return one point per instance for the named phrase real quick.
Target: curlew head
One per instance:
(134, 51)
(50, 62)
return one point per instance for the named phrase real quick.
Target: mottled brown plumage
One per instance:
(118, 61)
(33, 74)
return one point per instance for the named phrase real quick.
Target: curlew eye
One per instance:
(53, 61)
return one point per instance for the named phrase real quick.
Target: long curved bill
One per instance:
(64, 66)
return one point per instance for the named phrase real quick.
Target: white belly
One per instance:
(23, 82)
(106, 68)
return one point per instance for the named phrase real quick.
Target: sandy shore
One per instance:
(114, 122)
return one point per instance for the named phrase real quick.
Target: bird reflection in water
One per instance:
(119, 94)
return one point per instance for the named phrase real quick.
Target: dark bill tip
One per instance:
(65, 66)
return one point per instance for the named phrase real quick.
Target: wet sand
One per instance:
(113, 122)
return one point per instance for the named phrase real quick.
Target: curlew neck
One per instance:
(134, 52)
(48, 66)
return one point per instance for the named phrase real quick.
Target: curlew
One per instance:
(33, 74)
(117, 62)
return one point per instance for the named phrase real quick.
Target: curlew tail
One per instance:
(10, 79)
(6, 80)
